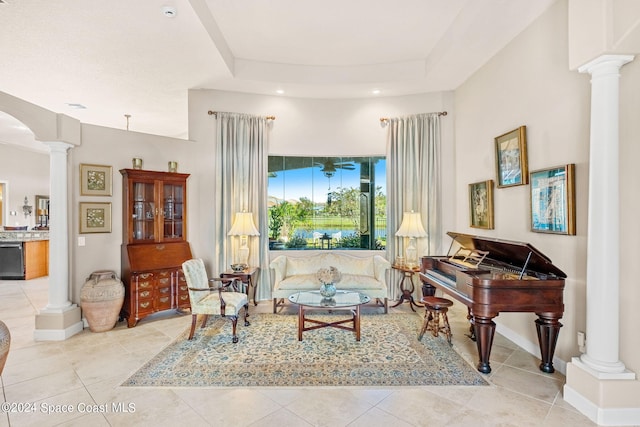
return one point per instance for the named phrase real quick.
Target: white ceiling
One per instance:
(126, 57)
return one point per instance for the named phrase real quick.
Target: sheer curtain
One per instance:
(413, 183)
(241, 185)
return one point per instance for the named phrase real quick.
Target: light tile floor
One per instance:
(76, 379)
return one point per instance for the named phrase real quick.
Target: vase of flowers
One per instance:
(328, 278)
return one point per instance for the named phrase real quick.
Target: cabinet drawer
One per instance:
(144, 306)
(145, 294)
(183, 301)
(142, 281)
(163, 302)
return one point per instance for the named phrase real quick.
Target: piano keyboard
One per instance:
(442, 278)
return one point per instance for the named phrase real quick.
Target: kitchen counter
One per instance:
(24, 235)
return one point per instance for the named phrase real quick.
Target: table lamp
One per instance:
(243, 226)
(412, 228)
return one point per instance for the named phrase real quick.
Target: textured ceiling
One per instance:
(126, 57)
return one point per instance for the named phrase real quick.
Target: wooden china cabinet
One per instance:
(154, 242)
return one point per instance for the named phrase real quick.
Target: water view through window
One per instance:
(327, 202)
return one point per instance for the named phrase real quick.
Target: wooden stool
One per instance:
(436, 308)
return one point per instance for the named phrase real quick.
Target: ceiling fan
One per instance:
(329, 168)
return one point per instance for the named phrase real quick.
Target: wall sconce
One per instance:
(243, 226)
(27, 208)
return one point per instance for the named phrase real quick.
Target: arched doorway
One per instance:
(52, 135)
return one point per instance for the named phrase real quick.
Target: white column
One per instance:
(58, 226)
(602, 343)
(60, 319)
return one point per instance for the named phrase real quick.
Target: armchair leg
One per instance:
(204, 320)
(194, 317)
(234, 323)
(246, 314)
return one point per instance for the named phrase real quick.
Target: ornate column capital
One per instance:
(605, 64)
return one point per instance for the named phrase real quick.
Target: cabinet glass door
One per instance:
(173, 211)
(144, 211)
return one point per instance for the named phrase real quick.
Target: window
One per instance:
(327, 202)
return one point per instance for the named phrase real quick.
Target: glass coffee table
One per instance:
(342, 300)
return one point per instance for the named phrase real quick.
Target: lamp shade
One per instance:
(243, 225)
(411, 226)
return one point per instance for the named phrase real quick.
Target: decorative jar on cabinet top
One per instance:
(101, 300)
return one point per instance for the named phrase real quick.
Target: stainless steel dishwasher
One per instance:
(11, 260)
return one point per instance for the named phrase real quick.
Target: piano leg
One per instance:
(548, 327)
(485, 329)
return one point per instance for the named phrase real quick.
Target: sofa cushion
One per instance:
(344, 263)
(309, 282)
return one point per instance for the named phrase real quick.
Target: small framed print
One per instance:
(481, 204)
(553, 200)
(95, 180)
(511, 158)
(95, 217)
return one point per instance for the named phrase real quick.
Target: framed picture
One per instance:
(95, 217)
(95, 180)
(481, 204)
(553, 200)
(511, 158)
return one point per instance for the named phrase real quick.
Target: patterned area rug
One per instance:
(269, 354)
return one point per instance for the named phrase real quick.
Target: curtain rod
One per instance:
(215, 114)
(384, 120)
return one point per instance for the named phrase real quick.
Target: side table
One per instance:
(407, 292)
(249, 277)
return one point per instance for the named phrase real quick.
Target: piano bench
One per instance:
(436, 308)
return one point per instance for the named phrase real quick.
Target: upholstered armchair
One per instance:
(213, 296)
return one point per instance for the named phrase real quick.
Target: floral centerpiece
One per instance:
(328, 277)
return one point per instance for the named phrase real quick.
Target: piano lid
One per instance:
(509, 252)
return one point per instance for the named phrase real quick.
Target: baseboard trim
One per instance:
(57, 334)
(601, 416)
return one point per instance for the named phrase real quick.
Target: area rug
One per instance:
(269, 354)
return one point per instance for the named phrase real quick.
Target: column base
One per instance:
(58, 326)
(600, 397)
(603, 370)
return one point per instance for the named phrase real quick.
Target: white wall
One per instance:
(115, 148)
(314, 127)
(529, 83)
(24, 173)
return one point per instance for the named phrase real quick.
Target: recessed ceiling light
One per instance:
(76, 106)
(279, 91)
(375, 91)
(169, 11)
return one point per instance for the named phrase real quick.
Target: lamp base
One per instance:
(411, 254)
(243, 255)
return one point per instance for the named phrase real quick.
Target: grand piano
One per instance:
(490, 276)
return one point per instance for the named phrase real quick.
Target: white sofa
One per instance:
(298, 273)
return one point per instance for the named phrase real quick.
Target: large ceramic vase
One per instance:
(5, 342)
(101, 300)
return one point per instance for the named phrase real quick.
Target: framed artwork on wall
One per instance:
(95, 217)
(553, 200)
(511, 158)
(481, 204)
(95, 180)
